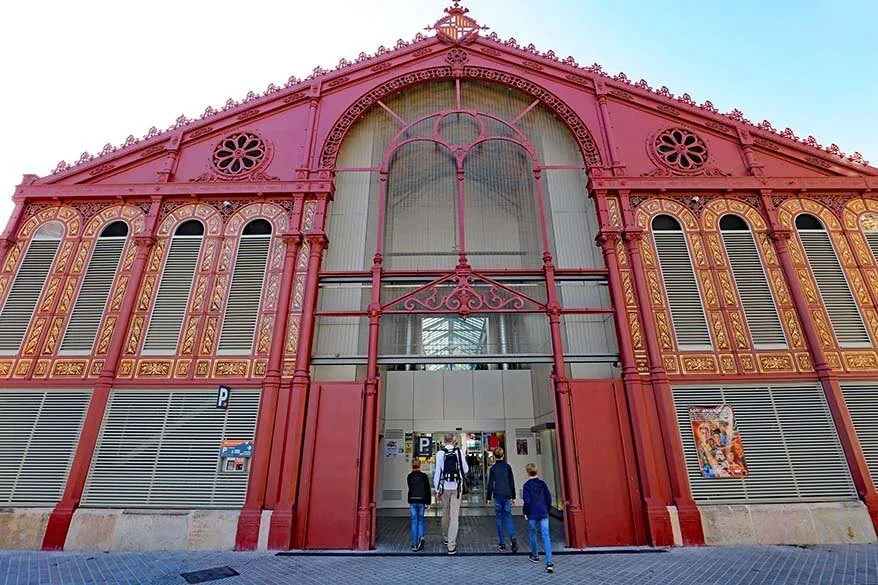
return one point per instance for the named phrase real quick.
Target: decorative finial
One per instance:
(456, 27)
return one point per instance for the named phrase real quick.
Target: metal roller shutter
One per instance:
(752, 284)
(25, 292)
(39, 432)
(684, 294)
(166, 321)
(862, 402)
(790, 445)
(161, 450)
(92, 298)
(242, 307)
(834, 289)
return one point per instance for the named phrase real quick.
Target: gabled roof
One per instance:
(457, 28)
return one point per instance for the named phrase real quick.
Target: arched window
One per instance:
(163, 332)
(95, 290)
(242, 308)
(28, 284)
(869, 223)
(684, 296)
(832, 283)
(752, 284)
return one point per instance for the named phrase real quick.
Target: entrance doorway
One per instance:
(477, 448)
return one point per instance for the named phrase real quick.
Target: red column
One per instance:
(834, 397)
(59, 521)
(574, 519)
(658, 517)
(281, 531)
(687, 511)
(366, 503)
(251, 514)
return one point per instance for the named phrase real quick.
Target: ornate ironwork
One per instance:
(464, 292)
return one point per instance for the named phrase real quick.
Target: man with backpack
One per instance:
(449, 476)
(501, 488)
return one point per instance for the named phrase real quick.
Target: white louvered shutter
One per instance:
(161, 450)
(754, 290)
(862, 403)
(39, 432)
(93, 294)
(25, 292)
(790, 445)
(684, 294)
(847, 323)
(242, 308)
(872, 238)
(173, 295)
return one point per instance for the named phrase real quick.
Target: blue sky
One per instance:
(79, 75)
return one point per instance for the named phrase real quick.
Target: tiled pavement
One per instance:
(841, 565)
(476, 534)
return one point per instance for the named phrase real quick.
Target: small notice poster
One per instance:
(717, 443)
(391, 448)
(235, 455)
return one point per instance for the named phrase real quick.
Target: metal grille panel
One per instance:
(172, 298)
(242, 308)
(790, 445)
(25, 292)
(161, 449)
(684, 295)
(834, 289)
(92, 298)
(862, 403)
(39, 432)
(754, 290)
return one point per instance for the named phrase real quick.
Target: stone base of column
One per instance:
(690, 523)
(57, 527)
(363, 539)
(661, 530)
(247, 535)
(280, 532)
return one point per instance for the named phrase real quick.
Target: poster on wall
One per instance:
(521, 446)
(717, 443)
(391, 448)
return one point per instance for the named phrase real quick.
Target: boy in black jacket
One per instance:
(501, 488)
(420, 498)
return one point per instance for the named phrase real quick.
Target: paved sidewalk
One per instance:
(827, 565)
(476, 534)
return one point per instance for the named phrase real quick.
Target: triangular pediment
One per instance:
(465, 44)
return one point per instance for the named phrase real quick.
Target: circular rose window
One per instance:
(681, 149)
(239, 154)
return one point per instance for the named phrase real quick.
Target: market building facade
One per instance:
(238, 332)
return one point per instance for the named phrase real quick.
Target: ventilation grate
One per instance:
(161, 449)
(684, 297)
(754, 290)
(38, 436)
(862, 403)
(790, 445)
(25, 292)
(92, 298)
(242, 307)
(166, 321)
(834, 289)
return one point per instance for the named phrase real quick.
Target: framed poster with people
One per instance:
(717, 442)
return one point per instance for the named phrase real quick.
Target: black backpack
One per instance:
(451, 466)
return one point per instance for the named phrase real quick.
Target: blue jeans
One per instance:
(503, 515)
(543, 525)
(416, 511)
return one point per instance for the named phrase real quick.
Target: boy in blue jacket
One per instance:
(537, 501)
(501, 489)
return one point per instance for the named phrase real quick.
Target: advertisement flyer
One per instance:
(717, 443)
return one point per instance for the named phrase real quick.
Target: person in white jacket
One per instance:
(448, 478)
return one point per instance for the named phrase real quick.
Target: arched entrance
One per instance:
(463, 286)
